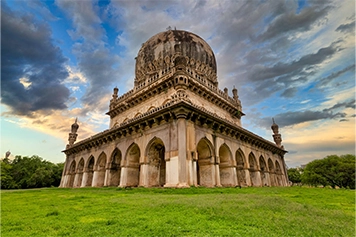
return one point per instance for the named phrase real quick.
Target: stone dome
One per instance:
(172, 48)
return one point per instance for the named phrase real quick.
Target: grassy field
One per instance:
(292, 211)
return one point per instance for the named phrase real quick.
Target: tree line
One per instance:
(29, 172)
(333, 170)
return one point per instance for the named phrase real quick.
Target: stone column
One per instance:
(195, 177)
(182, 148)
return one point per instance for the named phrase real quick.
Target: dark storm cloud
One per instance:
(326, 80)
(292, 21)
(347, 28)
(290, 92)
(27, 52)
(346, 104)
(95, 61)
(295, 117)
(294, 68)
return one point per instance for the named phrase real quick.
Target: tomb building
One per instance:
(175, 128)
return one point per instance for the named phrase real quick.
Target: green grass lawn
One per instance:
(291, 211)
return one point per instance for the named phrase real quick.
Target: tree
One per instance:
(294, 175)
(332, 170)
(30, 172)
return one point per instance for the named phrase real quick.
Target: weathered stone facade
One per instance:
(175, 128)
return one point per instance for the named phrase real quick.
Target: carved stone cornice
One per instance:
(168, 112)
(191, 81)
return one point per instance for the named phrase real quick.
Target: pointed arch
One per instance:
(204, 167)
(254, 174)
(155, 157)
(270, 166)
(241, 168)
(204, 149)
(278, 174)
(263, 171)
(80, 167)
(90, 163)
(271, 170)
(240, 159)
(263, 166)
(101, 161)
(252, 161)
(114, 167)
(71, 174)
(115, 158)
(99, 171)
(89, 171)
(132, 160)
(225, 154)
(72, 167)
(79, 174)
(226, 173)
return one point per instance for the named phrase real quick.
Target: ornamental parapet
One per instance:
(194, 83)
(165, 113)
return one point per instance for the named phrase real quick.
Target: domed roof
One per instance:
(161, 50)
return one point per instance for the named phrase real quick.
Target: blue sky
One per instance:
(293, 61)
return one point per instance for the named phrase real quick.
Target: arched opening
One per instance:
(205, 164)
(271, 172)
(114, 168)
(99, 171)
(263, 171)
(227, 177)
(240, 168)
(156, 163)
(254, 175)
(133, 165)
(71, 174)
(79, 174)
(90, 171)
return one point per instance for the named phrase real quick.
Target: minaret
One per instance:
(114, 98)
(73, 134)
(276, 136)
(236, 98)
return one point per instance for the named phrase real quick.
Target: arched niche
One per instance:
(71, 174)
(271, 170)
(226, 169)
(90, 171)
(254, 173)
(114, 168)
(263, 171)
(99, 171)
(132, 159)
(279, 174)
(80, 170)
(155, 156)
(241, 168)
(205, 164)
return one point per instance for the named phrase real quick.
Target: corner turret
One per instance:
(276, 136)
(73, 134)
